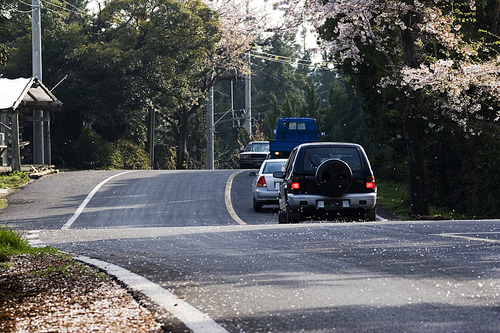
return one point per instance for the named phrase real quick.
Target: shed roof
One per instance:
(25, 93)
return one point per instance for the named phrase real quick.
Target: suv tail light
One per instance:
(295, 185)
(261, 182)
(370, 182)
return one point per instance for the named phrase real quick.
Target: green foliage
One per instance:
(312, 103)
(133, 157)
(393, 196)
(389, 165)
(472, 177)
(344, 120)
(14, 179)
(243, 137)
(12, 243)
(89, 151)
(138, 54)
(165, 157)
(4, 51)
(275, 78)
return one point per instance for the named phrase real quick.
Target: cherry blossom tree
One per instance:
(429, 48)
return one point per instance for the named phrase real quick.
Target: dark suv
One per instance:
(327, 180)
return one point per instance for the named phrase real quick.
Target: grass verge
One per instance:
(395, 197)
(11, 243)
(12, 180)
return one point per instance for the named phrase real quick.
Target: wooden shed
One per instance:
(20, 95)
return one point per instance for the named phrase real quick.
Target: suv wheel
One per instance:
(370, 214)
(333, 177)
(288, 216)
(281, 217)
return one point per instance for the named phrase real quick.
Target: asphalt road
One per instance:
(189, 234)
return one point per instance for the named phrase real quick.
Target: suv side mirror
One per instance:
(278, 174)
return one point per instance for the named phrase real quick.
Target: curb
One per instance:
(193, 318)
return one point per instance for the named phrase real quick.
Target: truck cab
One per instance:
(290, 132)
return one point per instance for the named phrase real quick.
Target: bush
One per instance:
(11, 243)
(165, 157)
(91, 151)
(133, 157)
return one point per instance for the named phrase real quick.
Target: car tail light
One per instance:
(261, 182)
(370, 182)
(295, 186)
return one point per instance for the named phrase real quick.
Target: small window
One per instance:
(301, 126)
(292, 126)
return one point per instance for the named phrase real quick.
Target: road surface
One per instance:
(194, 233)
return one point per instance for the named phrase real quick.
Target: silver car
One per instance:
(265, 187)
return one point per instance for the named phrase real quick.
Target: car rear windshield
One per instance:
(313, 157)
(270, 167)
(258, 147)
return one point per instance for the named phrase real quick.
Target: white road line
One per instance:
(33, 238)
(227, 196)
(87, 199)
(477, 239)
(194, 319)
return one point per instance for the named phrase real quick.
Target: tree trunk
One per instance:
(182, 142)
(416, 181)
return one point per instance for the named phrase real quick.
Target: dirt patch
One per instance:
(54, 293)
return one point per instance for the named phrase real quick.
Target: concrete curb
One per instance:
(193, 318)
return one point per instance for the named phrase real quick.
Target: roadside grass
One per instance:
(11, 243)
(12, 180)
(395, 197)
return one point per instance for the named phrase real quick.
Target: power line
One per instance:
(76, 10)
(288, 60)
(11, 7)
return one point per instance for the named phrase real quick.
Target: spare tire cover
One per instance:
(333, 177)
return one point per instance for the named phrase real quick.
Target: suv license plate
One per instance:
(333, 205)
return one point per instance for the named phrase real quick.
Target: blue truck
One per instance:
(290, 133)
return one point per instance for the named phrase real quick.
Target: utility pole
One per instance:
(248, 98)
(152, 125)
(38, 137)
(210, 130)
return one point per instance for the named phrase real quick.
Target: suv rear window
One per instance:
(313, 157)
